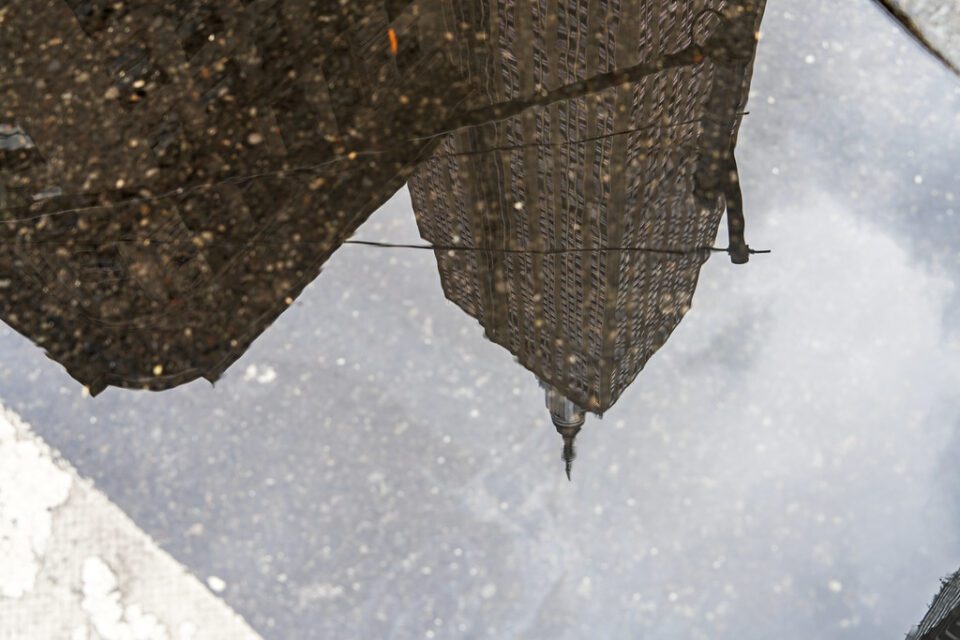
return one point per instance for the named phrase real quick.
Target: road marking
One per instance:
(75, 567)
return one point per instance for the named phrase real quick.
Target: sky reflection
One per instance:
(781, 468)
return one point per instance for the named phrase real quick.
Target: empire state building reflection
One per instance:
(570, 166)
(574, 232)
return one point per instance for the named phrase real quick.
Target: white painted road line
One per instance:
(73, 566)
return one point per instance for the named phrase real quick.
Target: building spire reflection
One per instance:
(568, 418)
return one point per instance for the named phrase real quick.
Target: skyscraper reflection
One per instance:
(201, 168)
(574, 232)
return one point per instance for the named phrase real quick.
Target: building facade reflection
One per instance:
(165, 95)
(199, 128)
(201, 168)
(942, 620)
(575, 232)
